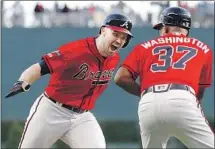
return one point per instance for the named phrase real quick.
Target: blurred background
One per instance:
(31, 14)
(32, 28)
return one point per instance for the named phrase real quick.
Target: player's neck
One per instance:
(177, 33)
(99, 45)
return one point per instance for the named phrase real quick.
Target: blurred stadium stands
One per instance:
(92, 15)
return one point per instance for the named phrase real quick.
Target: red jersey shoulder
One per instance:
(143, 47)
(68, 48)
(73, 45)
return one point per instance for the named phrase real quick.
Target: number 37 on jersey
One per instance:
(165, 57)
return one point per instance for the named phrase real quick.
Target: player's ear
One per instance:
(103, 29)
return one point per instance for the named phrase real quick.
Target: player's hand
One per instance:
(18, 87)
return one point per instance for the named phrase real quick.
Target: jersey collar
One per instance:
(92, 46)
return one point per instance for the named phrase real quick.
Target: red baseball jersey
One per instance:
(171, 59)
(79, 74)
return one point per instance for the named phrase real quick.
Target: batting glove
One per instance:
(18, 87)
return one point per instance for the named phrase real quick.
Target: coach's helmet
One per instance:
(120, 23)
(174, 16)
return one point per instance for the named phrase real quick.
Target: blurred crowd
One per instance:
(93, 15)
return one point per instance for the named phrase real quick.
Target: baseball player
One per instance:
(174, 70)
(79, 72)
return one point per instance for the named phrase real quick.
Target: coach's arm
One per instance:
(125, 80)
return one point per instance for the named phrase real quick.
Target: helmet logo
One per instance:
(186, 24)
(125, 24)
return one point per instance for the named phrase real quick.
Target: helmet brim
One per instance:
(158, 26)
(119, 29)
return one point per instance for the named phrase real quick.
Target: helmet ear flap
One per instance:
(127, 41)
(158, 26)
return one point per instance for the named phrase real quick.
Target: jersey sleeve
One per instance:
(206, 74)
(132, 62)
(56, 60)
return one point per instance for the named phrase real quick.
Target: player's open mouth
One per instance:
(113, 47)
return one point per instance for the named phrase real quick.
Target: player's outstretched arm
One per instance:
(27, 78)
(124, 79)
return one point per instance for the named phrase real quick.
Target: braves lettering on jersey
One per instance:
(179, 56)
(79, 74)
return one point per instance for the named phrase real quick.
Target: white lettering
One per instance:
(179, 39)
(199, 44)
(161, 40)
(173, 39)
(168, 40)
(146, 45)
(186, 40)
(194, 41)
(153, 42)
(205, 49)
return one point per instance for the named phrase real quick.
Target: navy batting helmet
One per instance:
(174, 16)
(120, 23)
